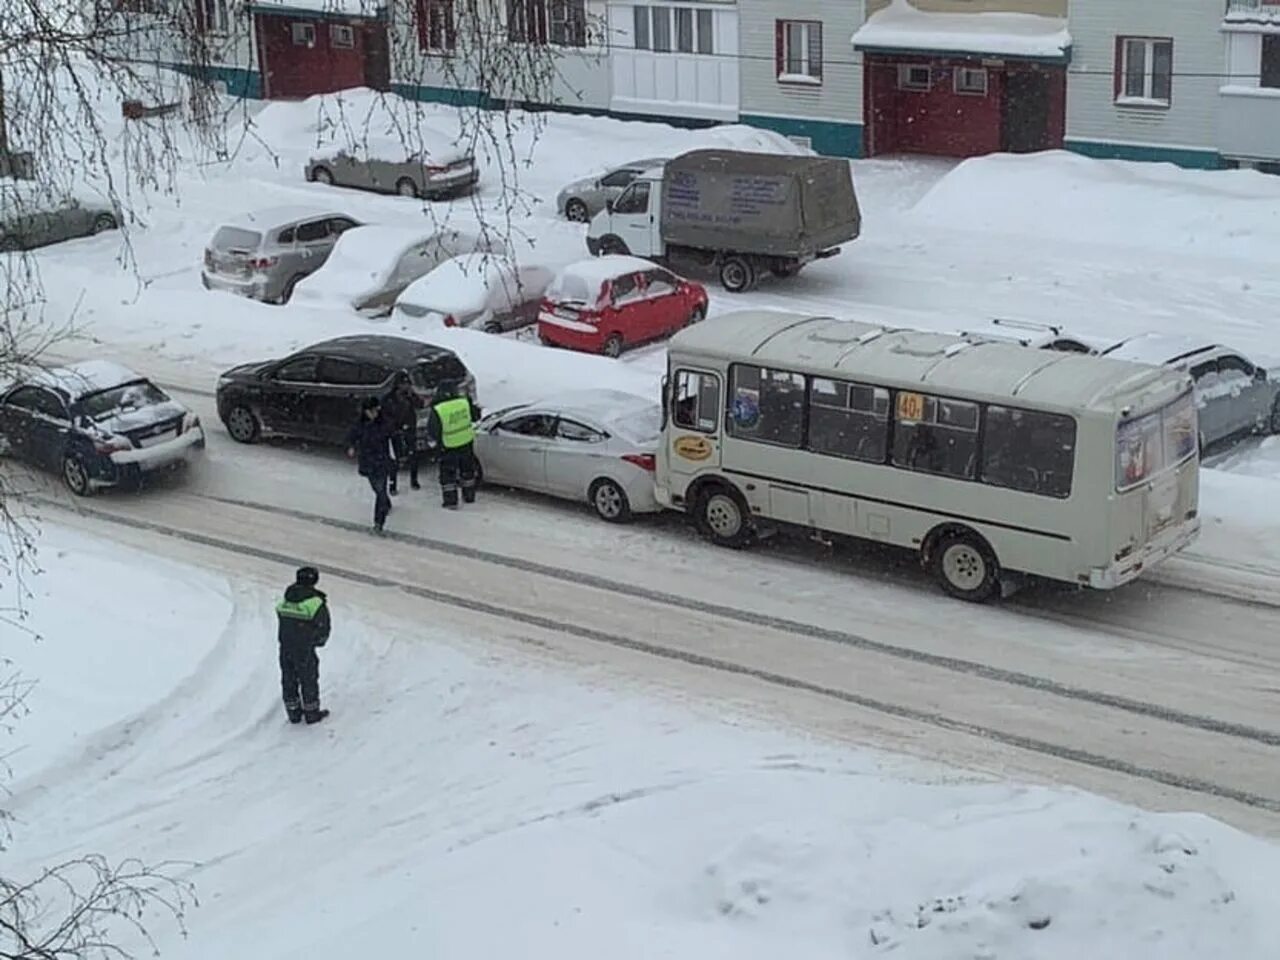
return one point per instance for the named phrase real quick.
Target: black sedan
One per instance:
(97, 423)
(316, 393)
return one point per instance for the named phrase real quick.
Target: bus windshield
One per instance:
(1147, 445)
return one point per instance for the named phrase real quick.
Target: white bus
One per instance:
(992, 460)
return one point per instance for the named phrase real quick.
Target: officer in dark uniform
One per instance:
(304, 626)
(451, 428)
(369, 441)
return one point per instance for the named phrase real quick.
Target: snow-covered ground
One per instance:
(471, 801)
(460, 804)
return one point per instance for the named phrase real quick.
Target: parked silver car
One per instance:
(1235, 397)
(583, 199)
(445, 169)
(263, 255)
(30, 217)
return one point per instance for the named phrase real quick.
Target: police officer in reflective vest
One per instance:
(304, 626)
(450, 426)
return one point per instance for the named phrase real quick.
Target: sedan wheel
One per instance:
(76, 476)
(610, 501)
(104, 222)
(1275, 415)
(699, 314)
(613, 346)
(242, 425)
(576, 211)
(322, 175)
(492, 327)
(406, 187)
(9, 244)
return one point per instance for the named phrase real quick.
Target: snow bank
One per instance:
(111, 631)
(902, 26)
(1230, 214)
(478, 805)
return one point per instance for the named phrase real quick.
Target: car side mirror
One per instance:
(608, 205)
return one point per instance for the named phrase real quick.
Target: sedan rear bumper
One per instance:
(255, 288)
(161, 455)
(573, 334)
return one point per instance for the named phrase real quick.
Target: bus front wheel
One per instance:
(966, 567)
(723, 518)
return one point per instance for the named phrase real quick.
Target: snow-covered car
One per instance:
(596, 446)
(605, 304)
(264, 254)
(31, 217)
(442, 168)
(1039, 335)
(1235, 397)
(370, 266)
(583, 199)
(97, 423)
(488, 292)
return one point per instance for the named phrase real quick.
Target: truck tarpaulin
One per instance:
(760, 203)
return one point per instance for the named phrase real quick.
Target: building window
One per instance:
(1271, 60)
(798, 50)
(972, 80)
(1144, 71)
(561, 22)
(214, 16)
(437, 29)
(915, 76)
(673, 29)
(341, 37)
(304, 34)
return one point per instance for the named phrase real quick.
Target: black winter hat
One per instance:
(308, 576)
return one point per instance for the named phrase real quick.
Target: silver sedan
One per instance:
(596, 446)
(583, 199)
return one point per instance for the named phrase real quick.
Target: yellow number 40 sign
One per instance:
(910, 406)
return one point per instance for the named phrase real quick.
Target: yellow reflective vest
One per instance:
(455, 422)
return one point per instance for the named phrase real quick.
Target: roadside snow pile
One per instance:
(1227, 214)
(89, 629)
(467, 802)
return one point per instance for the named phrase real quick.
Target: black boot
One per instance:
(294, 713)
(315, 716)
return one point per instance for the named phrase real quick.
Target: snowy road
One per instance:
(1114, 700)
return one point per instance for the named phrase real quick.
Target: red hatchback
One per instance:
(606, 304)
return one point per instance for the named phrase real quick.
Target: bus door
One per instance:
(694, 426)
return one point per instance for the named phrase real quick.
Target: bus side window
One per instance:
(935, 435)
(848, 420)
(696, 401)
(1028, 451)
(767, 405)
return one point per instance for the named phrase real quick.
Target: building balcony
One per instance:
(1249, 123)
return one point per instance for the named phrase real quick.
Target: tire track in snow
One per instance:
(901, 711)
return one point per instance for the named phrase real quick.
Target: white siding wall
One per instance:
(839, 98)
(572, 76)
(1248, 114)
(675, 84)
(1198, 48)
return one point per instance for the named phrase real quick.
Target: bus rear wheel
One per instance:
(966, 567)
(722, 517)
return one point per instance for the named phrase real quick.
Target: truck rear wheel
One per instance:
(738, 274)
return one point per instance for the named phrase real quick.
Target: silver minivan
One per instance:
(263, 255)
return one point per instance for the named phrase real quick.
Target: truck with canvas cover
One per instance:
(742, 214)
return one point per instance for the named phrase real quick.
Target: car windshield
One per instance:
(1148, 444)
(129, 396)
(236, 238)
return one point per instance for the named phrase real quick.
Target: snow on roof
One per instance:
(1252, 17)
(364, 258)
(1156, 348)
(939, 362)
(597, 270)
(421, 144)
(268, 218)
(901, 26)
(344, 8)
(600, 403)
(89, 376)
(459, 284)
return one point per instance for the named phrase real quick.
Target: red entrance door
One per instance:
(303, 57)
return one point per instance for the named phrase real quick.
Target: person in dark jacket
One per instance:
(369, 441)
(450, 427)
(304, 626)
(401, 410)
